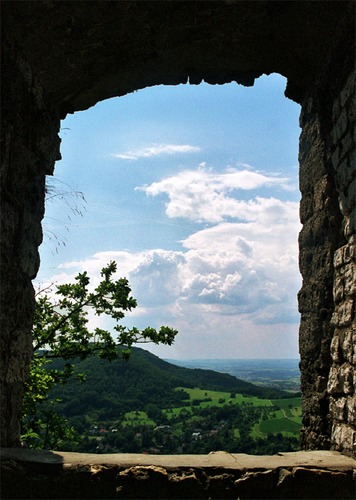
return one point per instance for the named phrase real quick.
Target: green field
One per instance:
(283, 415)
(215, 399)
(134, 418)
(282, 425)
(287, 419)
(220, 398)
(292, 406)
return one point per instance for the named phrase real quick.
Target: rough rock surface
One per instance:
(28, 474)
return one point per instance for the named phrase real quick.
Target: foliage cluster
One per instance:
(61, 331)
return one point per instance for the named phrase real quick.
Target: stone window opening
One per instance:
(60, 58)
(93, 132)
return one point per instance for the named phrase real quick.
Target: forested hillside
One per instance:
(149, 405)
(121, 386)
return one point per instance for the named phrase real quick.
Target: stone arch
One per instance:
(61, 57)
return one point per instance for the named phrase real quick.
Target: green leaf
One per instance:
(61, 330)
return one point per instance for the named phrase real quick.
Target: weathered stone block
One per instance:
(343, 437)
(335, 350)
(344, 255)
(341, 379)
(187, 485)
(320, 193)
(337, 408)
(221, 482)
(344, 313)
(350, 279)
(146, 481)
(347, 228)
(347, 345)
(347, 378)
(351, 410)
(253, 484)
(345, 178)
(338, 289)
(317, 483)
(29, 259)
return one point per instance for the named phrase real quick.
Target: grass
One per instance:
(285, 419)
(291, 409)
(282, 425)
(137, 418)
(174, 412)
(219, 398)
(287, 404)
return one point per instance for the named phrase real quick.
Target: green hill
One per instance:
(114, 388)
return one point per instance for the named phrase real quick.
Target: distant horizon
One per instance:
(230, 359)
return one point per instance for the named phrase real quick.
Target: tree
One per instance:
(61, 331)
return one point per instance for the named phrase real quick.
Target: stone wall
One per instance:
(327, 262)
(302, 475)
(342, 378)
(318, 240)
(29, 147)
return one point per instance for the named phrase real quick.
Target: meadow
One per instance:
(276, 415)
(149, 405)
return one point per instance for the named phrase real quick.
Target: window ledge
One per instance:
(52, 474)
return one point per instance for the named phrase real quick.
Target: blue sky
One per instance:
(193, 190)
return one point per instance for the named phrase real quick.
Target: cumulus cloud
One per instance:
(157, 150)
(156, 278)
(229, 269)
(239, 274)
(203, 195)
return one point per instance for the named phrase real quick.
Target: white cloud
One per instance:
(229, 269)
(156, 278)
(157, 150)
(126, 261)
(204, 195)
(230, 280)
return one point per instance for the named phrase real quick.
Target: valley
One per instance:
(147, 405)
